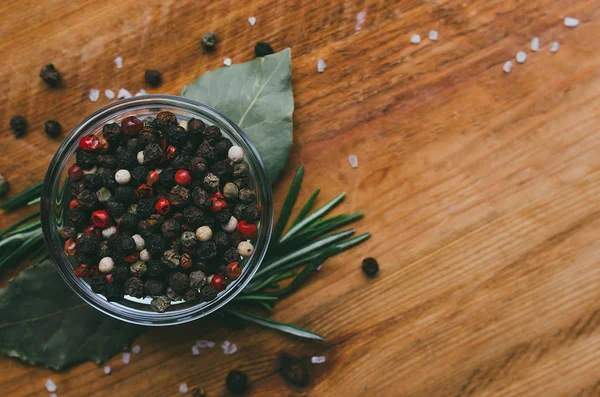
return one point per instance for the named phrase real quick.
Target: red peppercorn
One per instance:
(89, 143)
(217, 205)
(233, 271)
(75, 172)
(247, 230)
(100, 219)
(132, 258)
(81, 270)
(89, 229)
(144, 191)
(73, 204)
(217, 195)
(109, 278)
(183, 178)
(152, 178)
(171, 152)
(131, 125)
(163, 206)
(218, 282)
(70, 247)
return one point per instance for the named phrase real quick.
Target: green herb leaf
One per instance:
(307, 207)
(43, 322)
(314, 216)
(288, 205)
(283, 327)
(257, 96)
(23, 197)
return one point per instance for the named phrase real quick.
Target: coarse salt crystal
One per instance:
(94, 95)
(252, 20)
(521, 57)
(554, 47)
(317, 359)
(50, 385)
(571, 22)
(136, 349)
(415, 39)
(183, 388)
(123, 93)
(361, 17)
(141, 92)
(119, 62)
(126, 358)
(433, 35)
(321, 66)
(535, 44)
(227, 61)
(353, 160)
(107, 370)
(228, 347)
(110, 94)
(508, 65)
(203, 344)
(195, 350)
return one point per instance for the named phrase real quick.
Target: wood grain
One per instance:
(482, 189)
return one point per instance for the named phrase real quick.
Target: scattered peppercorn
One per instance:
(209, 41)
(18, 125)
(293, 370)
(153, 77)
(237, 382)
(52, 128)
(370, 266)
(50, 75)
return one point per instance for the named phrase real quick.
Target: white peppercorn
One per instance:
(139, 242)
(204, 233)
(122, 177)
(231, 225)
(235, 154)
(245, 248)
(109, 231)
(106, 265)
(140, 157)
(145, 255)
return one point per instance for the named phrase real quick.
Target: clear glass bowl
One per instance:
(55, 200)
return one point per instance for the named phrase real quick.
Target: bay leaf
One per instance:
(258, 97)
(43, 322)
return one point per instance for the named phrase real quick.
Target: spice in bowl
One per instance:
(160, 208)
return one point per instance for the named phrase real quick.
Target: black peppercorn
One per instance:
(76, 187)
(108, 160)
(86, 160)
(87, 199)
(179, 281)
(171, 228)
(68, 232)
(200, 197)
(208, 293)
(212, 133)
(247, 195)
(97, 284)
(206, 251)
(189, 295)
(193, 216)
(52, 128)
(243, 181)
(222, 147)
(120, 273)
(113, 292)
(50, 75)
(105, 250)
(222, 169)
(370, 266)
(108, 178)
(188, 148)
(237, 382)
(75, 217)
(196, 127)
(222, 241)
(209, 41)
(155, 268)
(126, 158)
(174, 134)
(181, 162)
(125, 245)
(112, 133)
(153, 77)
(198, 167)
(165, 119)
(231, 255)
(88, 244)
(135, 145)
(92, 181)
(18, 125)
(155, 243)
(138, 175)
(153, 153)
(239, 211)
(293, 370)
(206, 150)
(224, 215)
(252, 214)
(155, 287)
(240, 169)
(145, 207)
(262, 49)
(134, 287)
(115, 208)
(124, 194)
(179, 196)
(149, 135)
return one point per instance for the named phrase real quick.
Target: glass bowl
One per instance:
(55, 201)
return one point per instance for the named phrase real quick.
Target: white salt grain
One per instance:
(433, 35)
(123, 93)
(521, 57)
(227, 61)
(203, 344)
(415, 39)
(126, 358)
(554, 47)
(571, 22)
(228, 347)
(317, 359)
(183, 388)
(195, 350)
(136, 349)
(252, 21)
(353, 160)
(321, 66)
(52, 395)
(119, 62)
(141, 92)
(535, 44)
(508, 65)
(50, 385)
(110, 94)
(107, 370)
(94, 95)
(361, 17)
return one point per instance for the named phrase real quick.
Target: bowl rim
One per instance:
(50, 192)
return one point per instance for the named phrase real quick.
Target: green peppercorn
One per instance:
(139, 268)
(209, 41)
(4, 187)
(148, 122)
(160, 304)
(211, 182)
(230, 191)
(52, 128)
(188, 240)
(103, 195)
(171, 258)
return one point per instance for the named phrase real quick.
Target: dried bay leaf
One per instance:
(258, 97)
(43, 322)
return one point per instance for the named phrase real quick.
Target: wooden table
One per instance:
(481, 188)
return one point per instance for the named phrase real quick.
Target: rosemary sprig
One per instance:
(23, 198)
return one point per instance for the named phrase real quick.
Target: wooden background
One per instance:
(482, 189)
